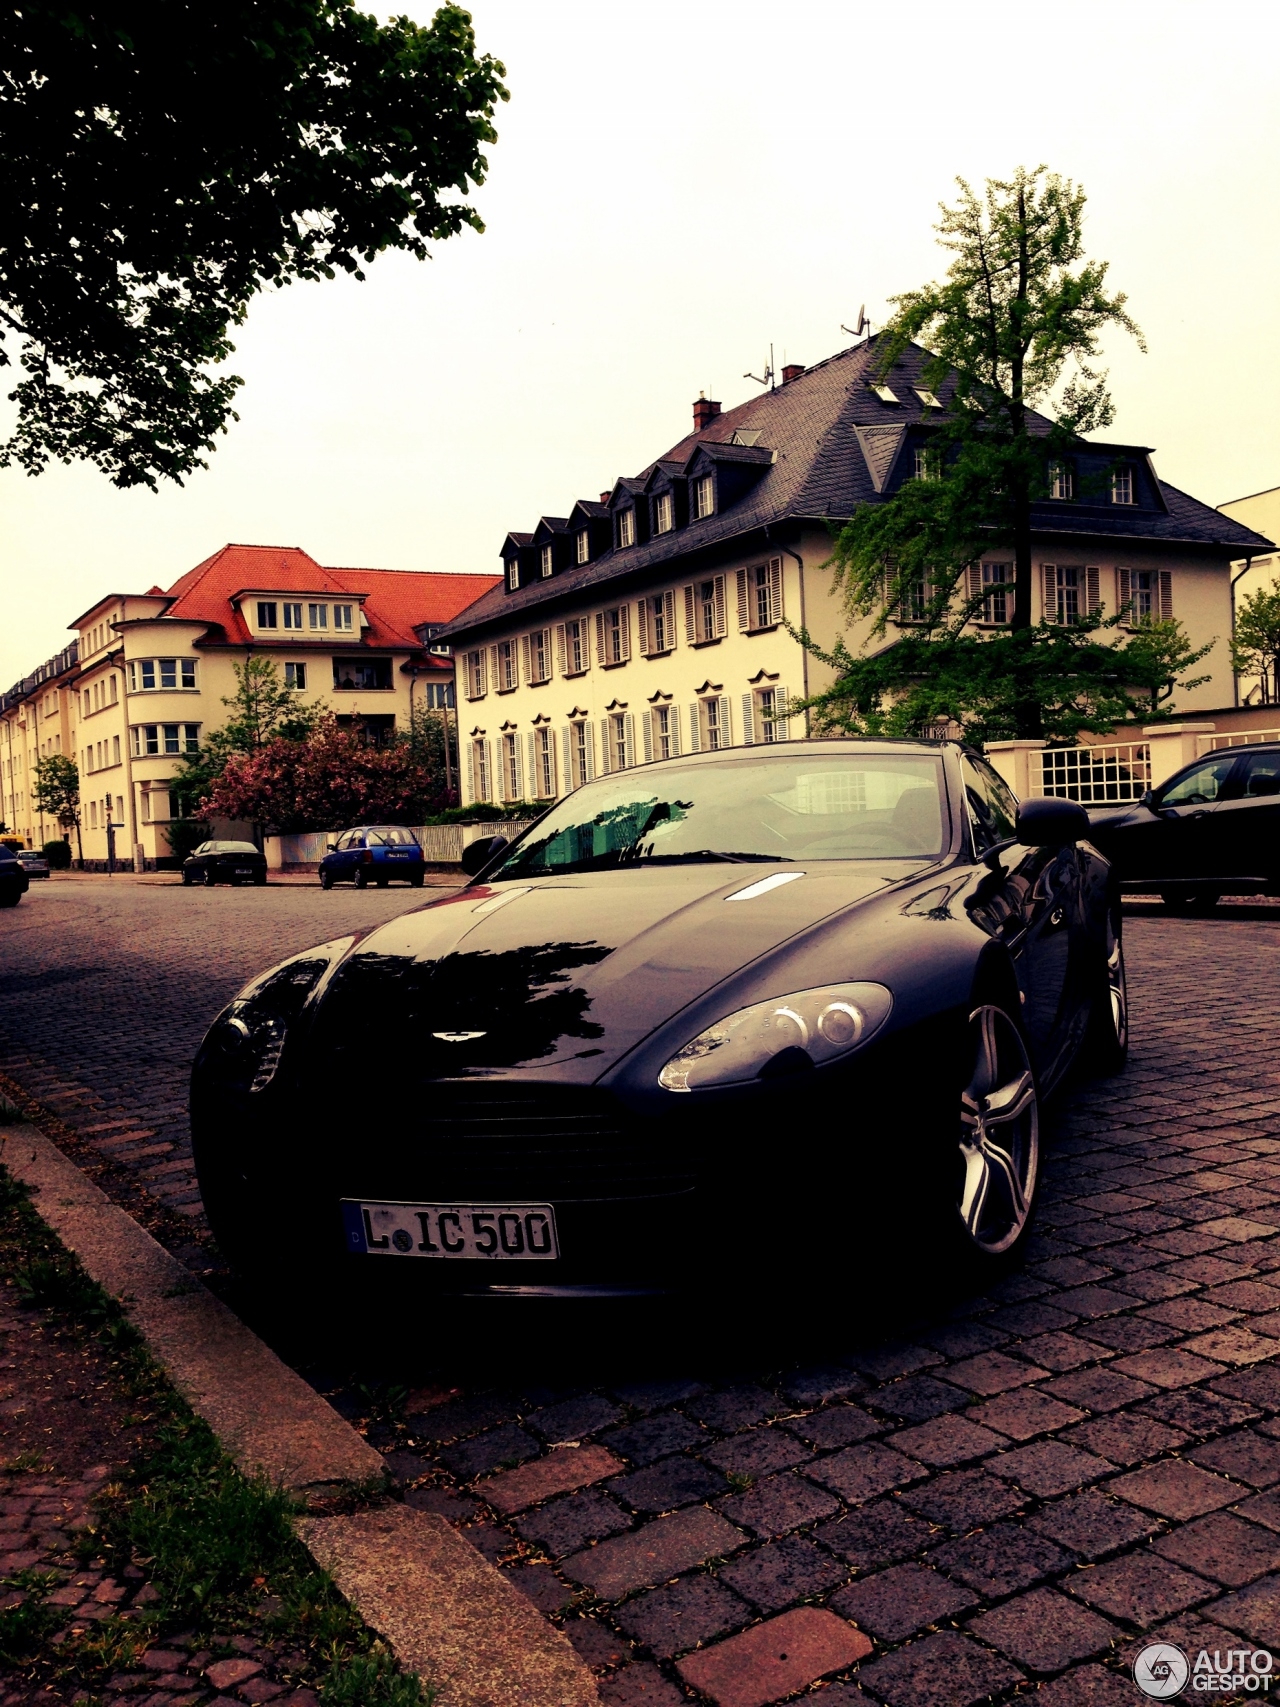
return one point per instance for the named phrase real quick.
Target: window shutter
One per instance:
(630, 727)
(648, 737)
(726, 725)
(590, 745)
(974, 576)
(473, 786)
(673, 727)
(781, 721)
(606, 757)
(531, 767)
(526, 649)
(1166, 596)
(492, 792)
(775, 589)
(719, 597)
(642, 627)
(744, 605)
(566, 748)
(1093, 588)
(494, 677)
(1124, 593)
(669, 613)
(748, 720)
(1050, 594)
(600, 637)
(690, 617)
(624, 630)
(562, 649)
(695, 729)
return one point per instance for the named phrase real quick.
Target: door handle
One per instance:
(1056, 916)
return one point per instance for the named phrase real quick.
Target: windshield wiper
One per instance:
(716, 854)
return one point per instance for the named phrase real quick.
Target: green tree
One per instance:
(159, 165)
(1255, 645)
(263, 707)
(1013, 329)
(1157, 656)
(56, 791)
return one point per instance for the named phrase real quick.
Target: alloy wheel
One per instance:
(999, 1134)
(1117, 986)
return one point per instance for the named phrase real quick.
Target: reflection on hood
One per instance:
(520, 1002)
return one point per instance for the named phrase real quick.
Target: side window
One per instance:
(1203, 785)
(1262, 776)
(992, 808)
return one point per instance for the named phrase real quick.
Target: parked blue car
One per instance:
(373, 853)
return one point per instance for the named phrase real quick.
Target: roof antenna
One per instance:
(768, 372)
(864, 325)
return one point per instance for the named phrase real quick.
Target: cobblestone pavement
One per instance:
(1009, 1497)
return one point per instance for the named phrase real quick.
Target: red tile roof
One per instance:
(392, 599)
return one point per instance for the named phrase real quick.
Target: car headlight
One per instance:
(249, 1037)
(790, 1033)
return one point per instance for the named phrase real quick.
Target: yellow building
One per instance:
(1256, 573)
(146, 681)
(652, 622)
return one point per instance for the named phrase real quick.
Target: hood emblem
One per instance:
(458, 1036)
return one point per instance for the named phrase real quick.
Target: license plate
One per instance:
(462, 1232)
(244, 871)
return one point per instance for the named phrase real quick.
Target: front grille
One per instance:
(507, 1142)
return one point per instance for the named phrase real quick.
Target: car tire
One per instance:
(1190, 900)
(991, 1174)
(1205, 900)
(415, 882)
(361, 878)
(210, 879)
(260, 882)
(186, 879)
(326, 880)
(382, 882)
(1106, 1044)
(10, 897)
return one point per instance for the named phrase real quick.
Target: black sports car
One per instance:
(13, 877)
(1213, 829)
(225, 862)
(692, 1020)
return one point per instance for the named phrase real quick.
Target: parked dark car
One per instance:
(1213, 829)
(225, 862)
(738, 1009)
(13, 878)
(33, 862)
(373, 853)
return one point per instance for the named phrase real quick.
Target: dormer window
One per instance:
(547, 562)
(513, 575)
(704, 496)
(930, 399)
(583, 546)
(885, 393)
(317, 616)
(1062, 481)
(292, 615)
(626, 527)
(1122, 486)
(268, 614)
(927, 467)
(342, 618)
(664, 513)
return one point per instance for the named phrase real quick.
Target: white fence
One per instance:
(1246, 738)
(1094, 776)
(441, 843)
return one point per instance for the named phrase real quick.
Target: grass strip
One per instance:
(217, 1546)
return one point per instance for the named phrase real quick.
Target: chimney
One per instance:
(704, 412)
(793, 370)
(605, 496)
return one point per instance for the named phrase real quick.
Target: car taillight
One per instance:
(366, 858)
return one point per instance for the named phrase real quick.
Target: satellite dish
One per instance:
(864, 325)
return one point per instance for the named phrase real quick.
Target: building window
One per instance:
(1122, 486)
(704, 496)
(295, 676)
(704, 611)
(657, 623)
(547, 562)
(1071, 592)
(147, 674)
(584, 545)
(617, 736)
(993, 584)
(268, 616)
(292, 615)
(1148, 593)
(715, 732)
(572, 646)
(93, 814)
(513, 574)
(760, 596)
(480, 784)
(317, 616)
(342, 618)
(1062, 483)
(510, 767)
(439, 696)
(368, 674)
(766, 709)
(664, 513)
(663, 720)
(115, 692)
(537, 657)
(613, 635)
(475, 675)
(580, 753)
(927, 465)
(544, 764)
(626, 527)
(506, 670)
(115, 749)
(916, 596)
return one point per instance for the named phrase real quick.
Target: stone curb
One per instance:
(447, 1613)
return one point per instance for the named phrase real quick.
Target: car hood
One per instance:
(561, 971)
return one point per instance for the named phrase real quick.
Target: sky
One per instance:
(676, 188)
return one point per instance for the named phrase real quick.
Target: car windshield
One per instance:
(390, 836)
(231, 848)
(851, 806)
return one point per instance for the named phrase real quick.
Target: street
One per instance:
(994, 1489)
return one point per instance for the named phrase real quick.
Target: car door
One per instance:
(1177, 839)
(1244, 829)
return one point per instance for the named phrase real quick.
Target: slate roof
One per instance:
(834, 445)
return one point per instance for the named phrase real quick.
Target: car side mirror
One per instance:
(1048, 822)
(1148, 800)
(333, 847)
(476, 855)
